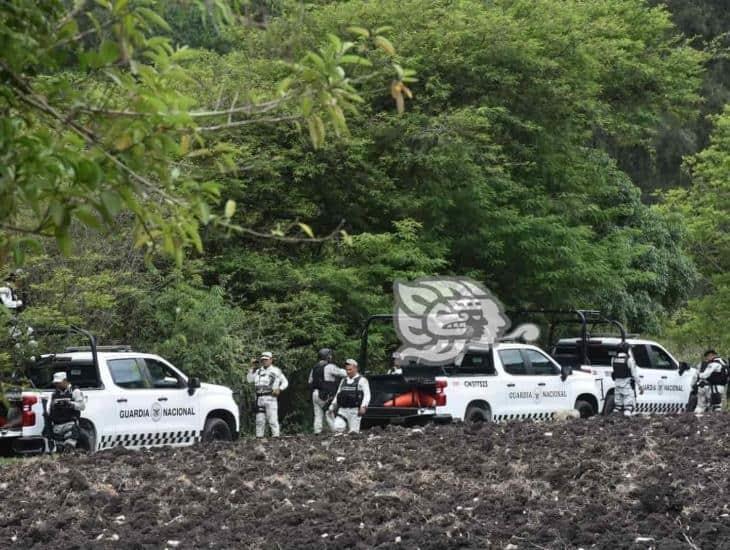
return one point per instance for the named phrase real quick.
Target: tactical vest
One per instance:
(621, 366)
(62, 409)
(350, 395)
(326, 388)
(264, 382)
(717, 378)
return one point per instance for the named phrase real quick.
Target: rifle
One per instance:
(255, 407)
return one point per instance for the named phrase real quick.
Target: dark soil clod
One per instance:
(596, 483)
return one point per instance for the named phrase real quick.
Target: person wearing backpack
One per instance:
(324, 379)
(711, 379)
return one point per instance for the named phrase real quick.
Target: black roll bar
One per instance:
(571, 316)
(71, 329)
(363, 359)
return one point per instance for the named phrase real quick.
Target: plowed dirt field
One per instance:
(659, 482)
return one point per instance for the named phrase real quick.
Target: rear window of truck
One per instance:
(477, 363)
(598, 354)
(81, 374)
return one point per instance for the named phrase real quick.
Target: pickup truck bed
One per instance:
(418, 391)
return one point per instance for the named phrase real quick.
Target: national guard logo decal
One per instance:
(156, 412)
(436, 317)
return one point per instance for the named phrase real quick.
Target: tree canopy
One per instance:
(100, 117)
(293, 160)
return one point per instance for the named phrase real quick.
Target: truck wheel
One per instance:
(477, 414)
(584, 408)
(216, 429)
(609, 405)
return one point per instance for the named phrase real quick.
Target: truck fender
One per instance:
(227, 417)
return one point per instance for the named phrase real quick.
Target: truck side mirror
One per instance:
(193, 384)
(683, 367)
(565, 371)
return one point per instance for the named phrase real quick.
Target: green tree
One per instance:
(96, 119)
(503, 168)
(705, 208)
(501, 161)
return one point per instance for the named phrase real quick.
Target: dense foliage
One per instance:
(520, 161)
(705, 208)
(99, 117)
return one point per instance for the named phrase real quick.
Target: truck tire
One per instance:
(584, 408)
(216, 429)
(477, 414)
(609, 405)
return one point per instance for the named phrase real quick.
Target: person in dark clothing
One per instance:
(64, 411)
(324, 381)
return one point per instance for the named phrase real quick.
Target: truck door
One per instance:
(135, 423)
(649, 377)
(517, 399)
(672, 389)
(180, 421)
(551, 393)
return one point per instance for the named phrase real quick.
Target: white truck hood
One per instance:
(215, 389)
(581, 375)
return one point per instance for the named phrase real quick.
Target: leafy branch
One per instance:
(107, 132)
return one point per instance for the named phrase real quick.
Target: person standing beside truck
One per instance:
(710, 380)
(268, 382)
(65, 409)
(352, 398)
(626, 379)
(323, 382)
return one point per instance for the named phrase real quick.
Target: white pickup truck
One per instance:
(500, 382)
(667, 383)
(132, 399)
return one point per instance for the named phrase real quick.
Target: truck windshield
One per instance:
(81, 374)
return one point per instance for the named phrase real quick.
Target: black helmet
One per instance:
(623, 347)
(325, 354)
